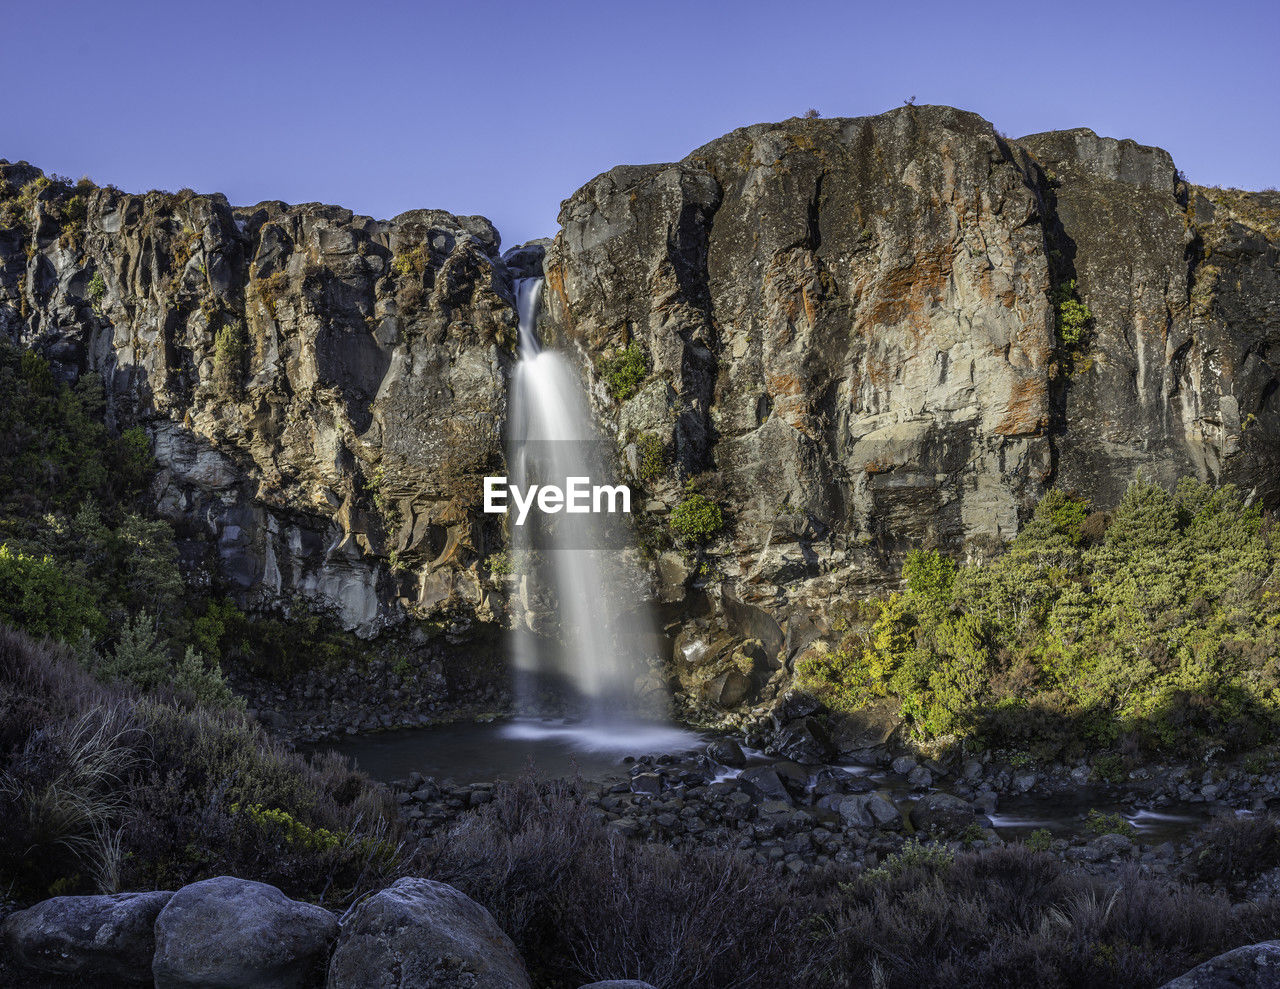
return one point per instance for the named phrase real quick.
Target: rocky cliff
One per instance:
(864, 330)
(859, 335)
(323, 390)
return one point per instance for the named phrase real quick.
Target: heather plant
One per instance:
(102, 787)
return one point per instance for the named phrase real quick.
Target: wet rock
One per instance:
(228, 933)
(647, 783)
(727, 752)
(903, 765)
(420, 934)
(1105, 847)
(804, 740)
(94, 938)
(941, 812)
(765, 781)
(1255, 966)
(872, 725)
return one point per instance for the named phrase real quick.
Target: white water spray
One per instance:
(600, 650)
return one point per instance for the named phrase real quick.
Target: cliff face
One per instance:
(849, 327)
(852, 322)
(323, 390)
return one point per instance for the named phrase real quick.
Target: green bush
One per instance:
(624, 372)
(696, 519)
(1072, 316)
(653, 457)
(230, 347)
(1159, 626)
(1098, 822)
(97, 289)
(37, 597)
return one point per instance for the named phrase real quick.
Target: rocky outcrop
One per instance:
(420, 934)
(851, 330)
(95, 939)
(229, 933)
(323, 391)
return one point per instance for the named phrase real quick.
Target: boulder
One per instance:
(1255, 966)
(795, 704)
(420, 934)
(727, 752)
(618, 984)
(764, 781)
(942, 812)
(804, 740)
(93, 938)
(869, 810)
(229, 933)
(728, 689)
(872, 725)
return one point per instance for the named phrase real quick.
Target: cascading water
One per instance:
(600, 647)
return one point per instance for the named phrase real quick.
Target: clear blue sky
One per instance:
(505, 109)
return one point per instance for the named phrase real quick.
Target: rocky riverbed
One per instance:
(797, 816)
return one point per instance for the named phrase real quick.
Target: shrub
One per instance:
(230, 346)
(1156, 627)
(1039, 840)
(1237, 849)
(204, 682)
(624, 372)
(37, 596)
(1098, 822)
(99, 786)
(696, 519)
(139, 657)
(1072, 316)
(500, 564)
(915, 855)
(583, 905)
(652, 454)
(97, 290)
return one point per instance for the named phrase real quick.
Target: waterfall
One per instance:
(579, 562)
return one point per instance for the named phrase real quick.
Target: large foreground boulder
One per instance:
(618, 984)
(1255, 966)
(94, 938)
(228, 933)
(420, 934)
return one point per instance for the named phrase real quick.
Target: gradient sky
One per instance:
(505, 109)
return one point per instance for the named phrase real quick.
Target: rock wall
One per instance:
(323, 390)
(849, 328)
(850, 325)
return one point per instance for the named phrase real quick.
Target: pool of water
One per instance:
(502, 750)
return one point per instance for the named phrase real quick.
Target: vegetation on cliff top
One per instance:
(1157, 626)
